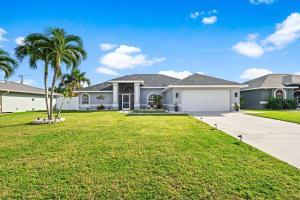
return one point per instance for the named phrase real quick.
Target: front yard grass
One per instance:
(283, 115)
(109, 155)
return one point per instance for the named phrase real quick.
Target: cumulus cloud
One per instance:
(286, 32)
(208, 17)
(126, 57)
(249, 48)
(194, 15)
(297, 73)
(255, 73)
(209, 20)
(19, 40)
(2, 33)
(107, 46)
(257, 2)
(106, 71)
(179, 75)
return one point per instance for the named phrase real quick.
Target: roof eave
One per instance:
(205, 86)
(127, 81)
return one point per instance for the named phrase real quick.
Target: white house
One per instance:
(194, 93)
(18, 97)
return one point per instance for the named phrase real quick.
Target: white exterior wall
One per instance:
(68, 104)
(20, 102)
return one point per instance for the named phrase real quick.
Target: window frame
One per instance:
(151, 101)
(81, 99)
(283, 91)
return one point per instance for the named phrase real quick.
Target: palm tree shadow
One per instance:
(14, 125)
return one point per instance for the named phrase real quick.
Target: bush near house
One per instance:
(100, 107)
(279, 104)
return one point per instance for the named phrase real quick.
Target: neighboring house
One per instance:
(259, 90)
(18, 97)
(138, 91)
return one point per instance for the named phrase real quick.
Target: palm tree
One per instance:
(69, 83)
(64, 50)
(30, 49)
(77, 79)
(7, 64)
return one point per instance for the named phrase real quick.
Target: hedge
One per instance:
(278, 104)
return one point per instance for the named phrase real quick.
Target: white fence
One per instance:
(68, 103)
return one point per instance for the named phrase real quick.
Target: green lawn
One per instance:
(110, 155)
(289, 116)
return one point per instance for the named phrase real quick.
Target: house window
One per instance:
(297, 96)
(155, 101)
(85, 99)
(176, 95)
(128, 89)
(236, 94)
(279, 94)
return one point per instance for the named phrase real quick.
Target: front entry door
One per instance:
(125, 101)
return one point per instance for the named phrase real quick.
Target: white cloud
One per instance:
(297, 73)
(255, 73)
(209, 20)
(124, 49)
(286, 32)
(2, 33)
(194, 15)
(106, 71)
(107, 46)
(257, 2)
(252, 36)
(19, 40)
(249, 48)
(213, 11)
(179, 75)
(30, 82)
(126, 57)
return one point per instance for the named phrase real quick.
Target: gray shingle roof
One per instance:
(105, 86)
(155, 80)
(274, 81)
(199, 79)
(18, 87)
(150, 80)
(127, 78)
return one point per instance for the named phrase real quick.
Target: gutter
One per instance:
(204, 86)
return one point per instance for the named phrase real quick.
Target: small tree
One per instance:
(157, 101)
(100, 98)
(66, 92)
(69, 83)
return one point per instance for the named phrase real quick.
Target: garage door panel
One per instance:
(206, 100)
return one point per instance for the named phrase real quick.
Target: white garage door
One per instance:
(206, 100)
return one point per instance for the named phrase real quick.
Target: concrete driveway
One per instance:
(277, 138)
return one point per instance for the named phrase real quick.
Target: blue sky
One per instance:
(235, 41)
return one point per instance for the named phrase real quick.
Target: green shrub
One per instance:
(100, 107)
(279, 104)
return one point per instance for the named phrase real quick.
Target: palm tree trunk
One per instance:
(59, 111)
(46, 89)
(52, 94)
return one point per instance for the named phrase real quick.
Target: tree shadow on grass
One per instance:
(15, 125)
(158, 115)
